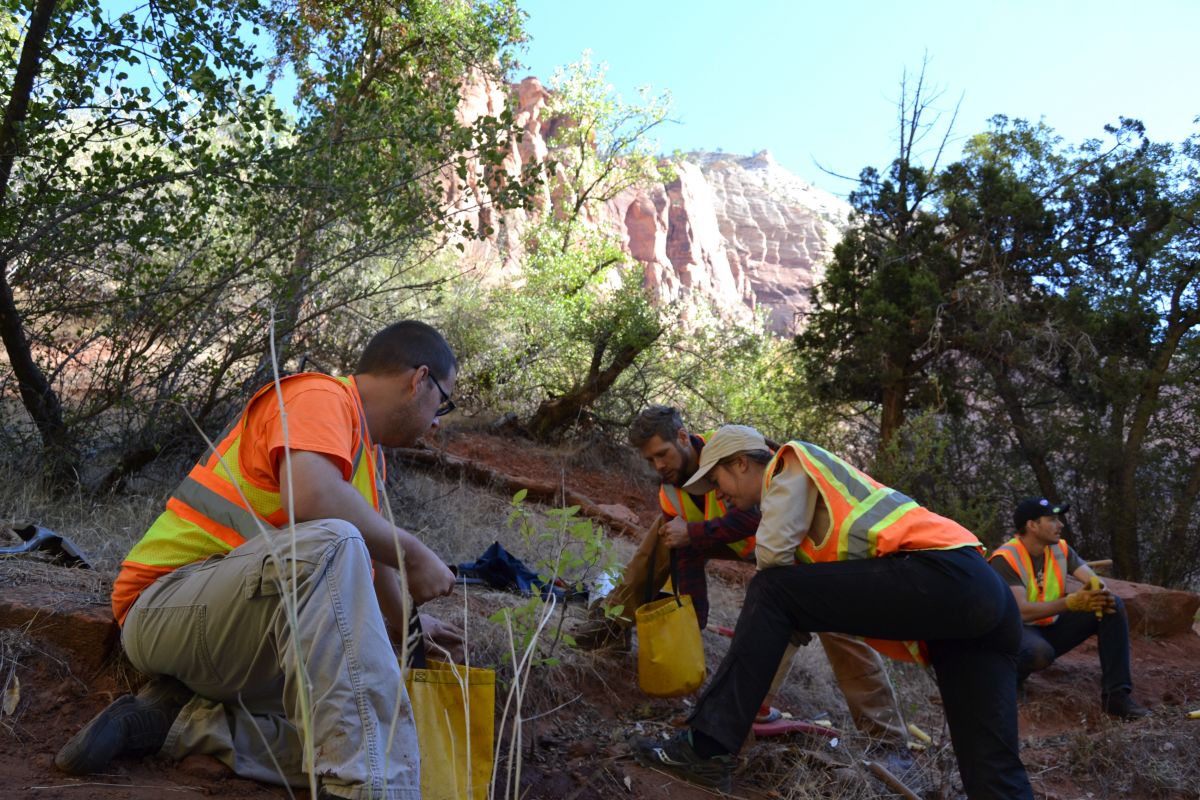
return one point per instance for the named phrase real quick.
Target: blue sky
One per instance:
(818, 81)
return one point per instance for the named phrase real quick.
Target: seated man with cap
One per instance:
(1035, 564)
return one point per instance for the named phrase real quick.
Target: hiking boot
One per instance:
(677, 757)
(600, 632)
(132, 725)
(1122, 706)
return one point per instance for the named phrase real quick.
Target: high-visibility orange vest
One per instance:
(216, 508)
(1054, 571)
(679, 503)
(868, 520)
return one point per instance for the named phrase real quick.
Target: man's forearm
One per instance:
(733, 527)
(320, 491)
(392, 600)
(1031, 612)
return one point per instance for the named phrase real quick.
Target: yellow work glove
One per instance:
(1095, 584)
(1085, 600)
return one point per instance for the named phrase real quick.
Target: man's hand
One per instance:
(674, 533)
(443, 640)
(1091, 600)
(428, 576)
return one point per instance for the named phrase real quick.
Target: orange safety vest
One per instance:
(1054, 570)
(868, 520)
(216, 508)
(676, 502)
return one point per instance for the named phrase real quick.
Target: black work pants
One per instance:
(950, 599)
(1041, 644)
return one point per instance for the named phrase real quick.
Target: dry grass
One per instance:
(105, 529)
(1154, 758)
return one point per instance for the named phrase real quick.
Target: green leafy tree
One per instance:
(874, 335)
(583, 312)
(1081, 311)
(381, 141)
(163, 219)
(104, 118)
(1042, 300)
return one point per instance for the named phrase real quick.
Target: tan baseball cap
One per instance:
(729, 440)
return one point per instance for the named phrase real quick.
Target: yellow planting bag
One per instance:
(455, 729)
(670, 651)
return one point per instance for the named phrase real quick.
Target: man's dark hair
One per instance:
(407, 345)
(661, 421)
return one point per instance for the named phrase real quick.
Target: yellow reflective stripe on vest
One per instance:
(874, 510)
(240, 518)
(1054, 570)
(862, 526)
(220, 510)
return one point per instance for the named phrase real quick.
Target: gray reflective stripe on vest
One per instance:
(859, 489)
(219, 510)
(866, 518)
(674, 496)
(874, 508)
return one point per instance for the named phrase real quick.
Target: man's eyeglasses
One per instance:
(447, 405)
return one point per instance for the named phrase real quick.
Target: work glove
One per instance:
(1097, 585)
(1088, 600)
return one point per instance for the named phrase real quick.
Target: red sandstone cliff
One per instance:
(740, 233)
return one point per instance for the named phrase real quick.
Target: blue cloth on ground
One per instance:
(500, 569)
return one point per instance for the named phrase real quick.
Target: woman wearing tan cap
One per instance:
(839, 551)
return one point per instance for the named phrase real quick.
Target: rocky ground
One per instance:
(59, 665)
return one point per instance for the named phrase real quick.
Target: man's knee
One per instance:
(770, 588)
(1036, 654)
(317, 541)
(327, 531)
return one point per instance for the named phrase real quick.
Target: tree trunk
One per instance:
(891, 415)
(558, 413)
(38, 396)
(1033, 450)
(1122, 488)
(1177, 554)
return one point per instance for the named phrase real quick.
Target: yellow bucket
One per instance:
(670, 651)
(455, 729)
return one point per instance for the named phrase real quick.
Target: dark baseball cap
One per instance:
(1035, 507)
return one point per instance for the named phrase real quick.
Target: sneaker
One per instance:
(767, 714)
(132, 725)
(1123, 706)
(677, 757)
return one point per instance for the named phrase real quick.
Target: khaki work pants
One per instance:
(221, 627)
(857, 667)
